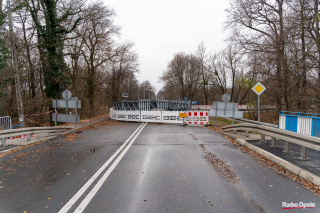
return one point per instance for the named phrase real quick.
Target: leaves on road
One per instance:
(105, 123)
(70, 137)
(220, 166)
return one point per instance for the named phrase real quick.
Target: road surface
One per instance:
(134, 167)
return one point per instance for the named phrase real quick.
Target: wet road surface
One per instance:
(132, 167)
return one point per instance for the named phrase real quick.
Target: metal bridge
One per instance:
(152, 105)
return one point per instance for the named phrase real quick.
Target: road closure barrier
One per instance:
(193, 117)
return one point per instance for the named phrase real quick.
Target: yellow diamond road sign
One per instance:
(258, 88)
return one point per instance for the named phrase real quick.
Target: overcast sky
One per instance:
(161, 28)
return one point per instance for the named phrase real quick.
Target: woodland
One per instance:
(275, 42)
(75, 45)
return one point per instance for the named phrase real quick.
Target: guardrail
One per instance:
(255, 122)
(305, 141)
(4, 134)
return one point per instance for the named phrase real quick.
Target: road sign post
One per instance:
(67, 102)
(259, 89)
(183, 116)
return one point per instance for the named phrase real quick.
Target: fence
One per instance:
(5, 123)
(193, 117)
(303, 123)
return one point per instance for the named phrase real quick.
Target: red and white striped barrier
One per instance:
(197, 117)
(201, 107)
(23, 137)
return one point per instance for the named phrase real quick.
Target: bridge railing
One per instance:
(4, 134)
(303, 123)
(305, 141)
(255, 122)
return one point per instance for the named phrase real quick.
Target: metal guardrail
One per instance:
(305, 141)
(255, 122)
(4, 134)
(5, 122)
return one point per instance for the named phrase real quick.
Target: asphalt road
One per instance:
(131, 167)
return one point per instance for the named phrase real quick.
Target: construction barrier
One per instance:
(201, 107)
(197, 117)
(193, 117)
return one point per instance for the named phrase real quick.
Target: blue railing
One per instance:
(316, 127)
(304, 123)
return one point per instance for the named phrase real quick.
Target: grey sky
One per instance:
(161, 28)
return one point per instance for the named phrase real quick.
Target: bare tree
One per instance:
(97, 31)
(258, 25)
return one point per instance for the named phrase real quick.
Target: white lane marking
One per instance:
(96, 188)
(76, 197)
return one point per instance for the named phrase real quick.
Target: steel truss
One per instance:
(152, 105)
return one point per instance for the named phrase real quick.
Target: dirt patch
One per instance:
(194, 137)
(220, 166)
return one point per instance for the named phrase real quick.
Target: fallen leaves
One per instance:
(70, 137)
(220, 166)
(105, 123)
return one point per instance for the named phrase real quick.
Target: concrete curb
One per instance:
(315, 179)
(283, 163)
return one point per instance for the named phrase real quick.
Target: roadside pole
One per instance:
(259, 89)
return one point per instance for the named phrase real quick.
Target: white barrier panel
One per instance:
(151, 116)
(121, 115)
(113, 114)
(304, 125)
(171, 117)
(125, 115)
(197, 117)
(133, 116)
(282, 122)
(193, 117)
